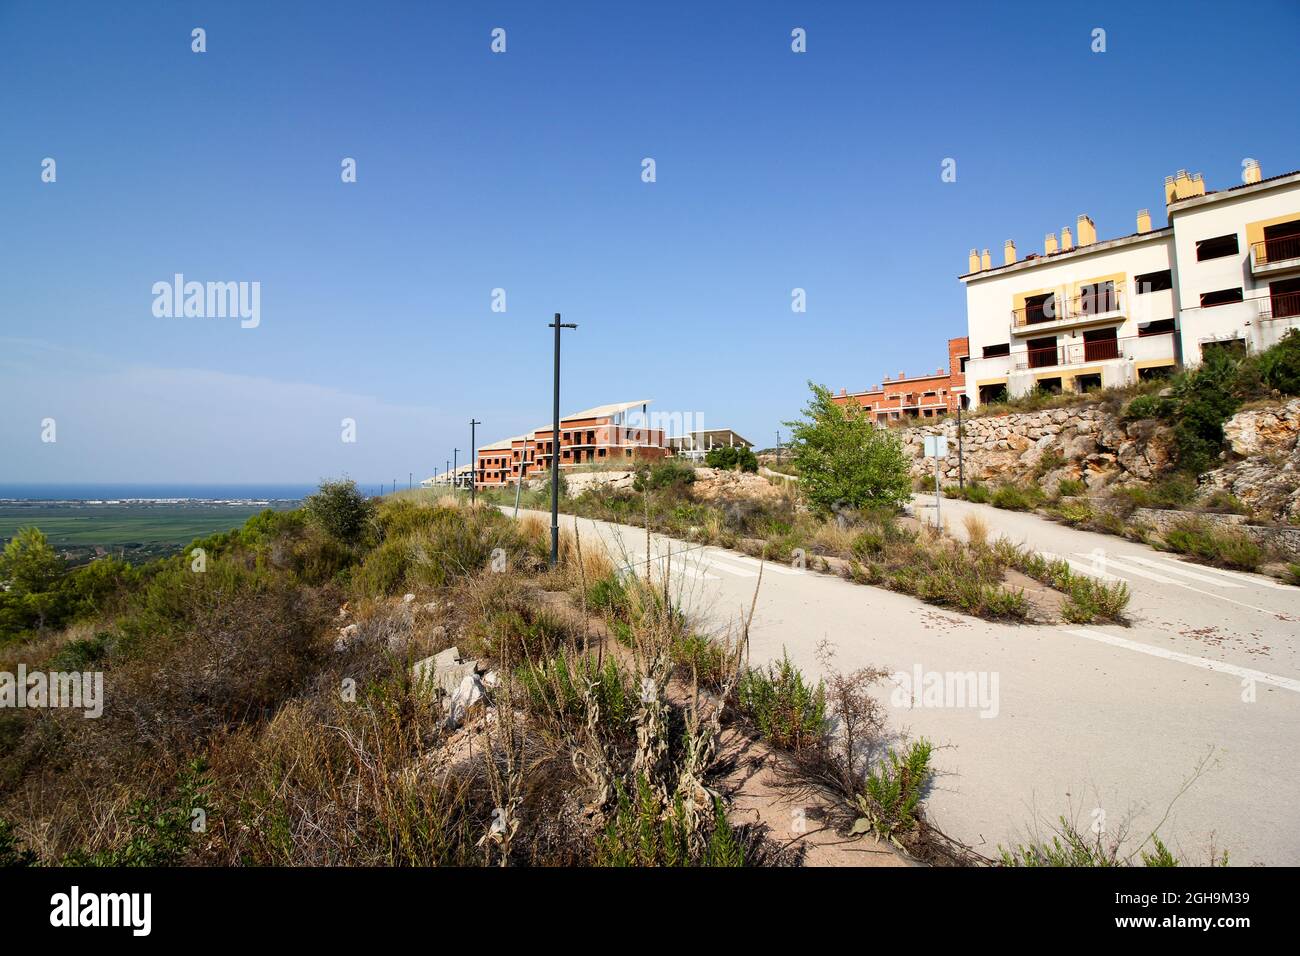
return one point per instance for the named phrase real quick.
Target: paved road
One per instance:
(1080, 720)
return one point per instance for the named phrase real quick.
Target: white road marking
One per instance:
(1111, 562)
(773, 567)
(1161, 579)
(1086, 568)
(1287, 683)
(731, 569)
(677, 567)
(1257, 580)
(1184, 572)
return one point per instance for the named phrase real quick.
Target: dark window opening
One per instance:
(1087, 383)
(1284, 298)
(993, 351)
(1155, 372)
(1216, 248)
(1235, 348)
(1158, 327)
(1042, 352)
(1154, 281)
(1099, 345)
(1220, 297)
(1281, 241)
(1098, 298)
(1049, 386)
(1040, 308)
(964, 359)
(990, 394)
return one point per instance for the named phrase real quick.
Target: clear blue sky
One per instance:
(523, 171)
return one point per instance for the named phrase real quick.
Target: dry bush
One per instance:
(977, 531)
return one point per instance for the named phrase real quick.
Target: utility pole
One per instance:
(446, 470)
(778, 447)
(410, 480)
(555, 444)
(473, 460)
(455, 467)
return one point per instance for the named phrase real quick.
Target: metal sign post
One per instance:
(936, 447)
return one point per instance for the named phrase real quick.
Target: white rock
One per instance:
(467, 695)
(408, 598)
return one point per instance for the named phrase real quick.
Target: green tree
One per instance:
(29, 565)
(339, 509)
(844, 459)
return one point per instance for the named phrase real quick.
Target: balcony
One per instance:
(1279, 254)
(1283, 305)
(1106, 304)
(1133, 348)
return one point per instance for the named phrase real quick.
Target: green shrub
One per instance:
(1070, 488)
(701, 657)
(844, 460)
(340, 509)
(559, 687)
(1090, 600)
(893, 791)
(1230, 549)
(1017, 497)
(788, 711)
(1075, 513)
(732, 458)
(646, 832)
(664, 474)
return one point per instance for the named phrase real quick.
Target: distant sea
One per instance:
(119, 491)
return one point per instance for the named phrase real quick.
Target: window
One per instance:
(1098, 298)
(1099, 345)
(964, 360)
(1158, 327)
(1216, 248)
(1087, 383)
(993, 351)
(1221, 297)
(1042, 352)
(1154, 281)
(1040, 308)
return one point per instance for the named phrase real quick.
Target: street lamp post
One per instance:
(473, 460)
(555, 444)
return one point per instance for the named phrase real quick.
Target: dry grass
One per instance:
(977, 531)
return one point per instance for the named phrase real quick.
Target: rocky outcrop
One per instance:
(1086, 443)
(721, 484)
(1263, 470)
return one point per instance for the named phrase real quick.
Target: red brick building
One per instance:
(921, 396)
(605, 434)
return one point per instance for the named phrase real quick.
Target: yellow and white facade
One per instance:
(1224, 272)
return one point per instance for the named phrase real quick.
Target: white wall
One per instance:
(1219, 217)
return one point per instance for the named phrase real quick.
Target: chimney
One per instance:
(1067, 240)
(974, 260)
(1182, 186)
(844, 391)
(1144, 220)
(1049, 244)
(1086, 229)
(902, 375)
(1008, 252)
(1251, 174)
(985, 261)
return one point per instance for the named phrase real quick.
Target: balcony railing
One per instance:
(1275, 250)
(1079, 353)
(1102, 302)
(1284, 305)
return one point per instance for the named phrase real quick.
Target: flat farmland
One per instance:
(74, 523)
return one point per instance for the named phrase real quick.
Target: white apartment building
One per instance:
(1083, 314)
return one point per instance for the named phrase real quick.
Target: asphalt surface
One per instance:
(1103, 724)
